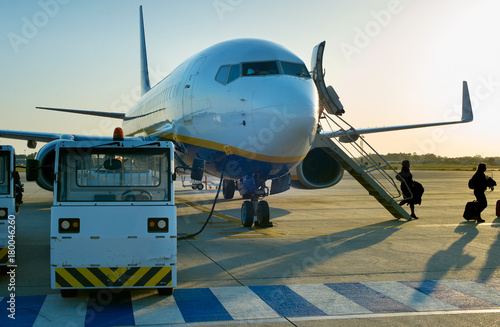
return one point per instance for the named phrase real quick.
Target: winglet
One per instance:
(467, 115)
(145, 86)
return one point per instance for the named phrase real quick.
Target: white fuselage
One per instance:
(218, 100)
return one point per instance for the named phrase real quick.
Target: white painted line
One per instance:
(472, 288)
(242, 303)
(395, 314)
(410, 296)
(58, 311)
(253, 322)
(327, 300)
(151, 309)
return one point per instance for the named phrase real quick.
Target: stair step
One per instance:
(365, 180)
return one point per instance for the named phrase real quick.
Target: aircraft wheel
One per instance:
(247, 214)
(228, 188)
(263, 214)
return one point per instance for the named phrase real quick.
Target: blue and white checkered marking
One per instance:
(253, 303)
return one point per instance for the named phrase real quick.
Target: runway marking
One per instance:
(370, 298)
(475, 289)
(254, 304)
(106, 309)
(197, 305)
(396, 314)
(286, 302)
(57, 311)
(237, 300)
(327, 300)
(202, 208)
(444, 293)
(410, 296)
(149, 309)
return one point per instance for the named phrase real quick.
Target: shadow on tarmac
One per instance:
(262, 259)
(493, 261)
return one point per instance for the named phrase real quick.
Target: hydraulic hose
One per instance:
(213, 205)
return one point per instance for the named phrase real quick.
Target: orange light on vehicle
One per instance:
(157, 225)
(118, 134)
(69, 225)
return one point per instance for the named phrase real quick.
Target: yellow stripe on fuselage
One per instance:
(237, 151)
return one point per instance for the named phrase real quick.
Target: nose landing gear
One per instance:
(255, 211)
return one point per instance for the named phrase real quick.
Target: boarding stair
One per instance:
(363, 163)
(339, 139)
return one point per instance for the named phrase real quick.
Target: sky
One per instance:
(392, 62)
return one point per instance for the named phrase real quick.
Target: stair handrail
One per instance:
(348, 134)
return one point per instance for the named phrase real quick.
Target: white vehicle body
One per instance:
(7, 202)
(113, 226)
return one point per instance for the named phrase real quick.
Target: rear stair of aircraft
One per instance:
(372, 171)
(368, 168)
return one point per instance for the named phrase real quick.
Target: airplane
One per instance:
(246, 108)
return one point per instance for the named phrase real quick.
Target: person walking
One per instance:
(412, 190)
(479, 182)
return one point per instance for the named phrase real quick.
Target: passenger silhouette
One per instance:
(411, 189)
(479, 182)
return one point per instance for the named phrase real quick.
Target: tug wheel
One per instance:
(69, 293)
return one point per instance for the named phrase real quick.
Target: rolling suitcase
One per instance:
(470, 212)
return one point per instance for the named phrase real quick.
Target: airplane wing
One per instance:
(48, 137)
(353, 134)
(117, 115)
(29, 136)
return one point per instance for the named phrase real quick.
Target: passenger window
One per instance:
(260, 68)
(295, 69)
(234, 73)
(221, 76)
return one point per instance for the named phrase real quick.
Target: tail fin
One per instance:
(467, 115)
(145, 86)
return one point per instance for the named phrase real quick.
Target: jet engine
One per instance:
(47, 156)
(318, 170)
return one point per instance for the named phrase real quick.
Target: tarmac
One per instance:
(333, 256)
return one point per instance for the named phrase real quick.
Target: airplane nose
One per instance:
(285, 115)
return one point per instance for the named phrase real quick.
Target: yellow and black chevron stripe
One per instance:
(4, 258)
(102, 277)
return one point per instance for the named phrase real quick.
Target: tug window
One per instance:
(4, 173)
(295, 69)
(260, 68)
(3, 167)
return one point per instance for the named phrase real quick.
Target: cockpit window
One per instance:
(260, 68)
(227, 74)
(295, 69)
(221, 76)
(234, 73)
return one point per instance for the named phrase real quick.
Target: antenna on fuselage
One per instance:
(145, 86)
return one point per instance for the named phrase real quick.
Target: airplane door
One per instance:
(187, 101)
(328, 98)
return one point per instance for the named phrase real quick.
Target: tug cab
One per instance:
(113, 220)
